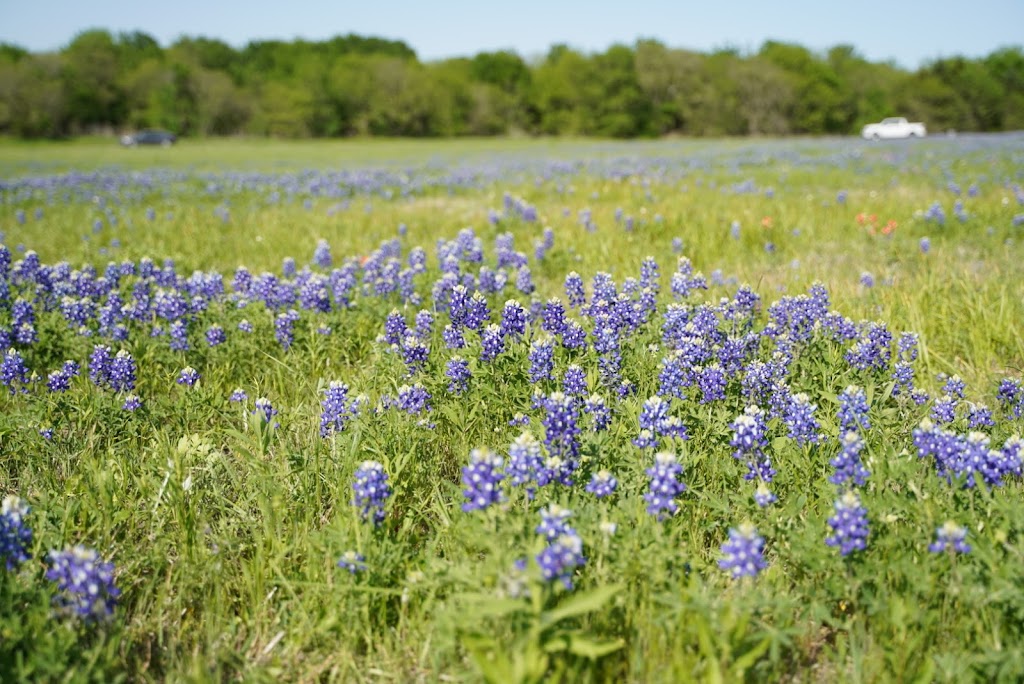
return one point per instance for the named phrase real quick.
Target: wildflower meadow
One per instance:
(513, 411)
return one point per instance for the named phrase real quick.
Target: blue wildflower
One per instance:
(85, 584)
(950, 537)
(353, 562)
(743, 552)
(371, 490)
(664, 485)
(482, 479)
(602, 484)
(849, 525)
(15, 534)
(189, 376)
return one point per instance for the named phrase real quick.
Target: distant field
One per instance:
(498, 330)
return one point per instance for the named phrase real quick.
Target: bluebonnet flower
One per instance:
(574, 382)
(711, 381)
(944, 409)
(322, 254)
(238, 395)
(215, 335)
(453, 338)
(85, 584)
(513, 319)
(477, 313)
(336, 408)
(749, 439)
(14, 373)
(265, 410)
(524, 280)
(743, 552)
(414, 354)
(424, 324)
(936, 214)
(656, 423)
(574, 290)
(561, 429)
(60, 380)
(602, 484)
(179, 336)
(574, 336)
(524, 461)
(482, 479)
(132, 402)
(519, 419)
(847, 463)
(353, 562)
(245, 326)
(684, 280)
(903, 374)
(853, 410)
(677, 245)
(99, 365)
(867, 279)
(554, 522)
(561, 557)
(954, 387)
(457, 370)
(413, 399)
(189, 376)
(872, 350)
(371, 491)
(283, 324)
(849, 524)
(979, 415)
(950, 537)
(674, 377)
(15, 534)
(763, 496)
(395, 328)
(1011, 396)
(46, 433)
(799, 419)
(492, 344)
(925, 245)
(553, 316)
(600, 414)
(542, 359)
(664, 485)
(121, 377)
(288, 269)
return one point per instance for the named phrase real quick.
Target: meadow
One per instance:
(514, 411)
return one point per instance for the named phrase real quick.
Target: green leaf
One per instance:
(582, 603)
(589, 648)
(487, 605)
(488, 657)
(747, 660)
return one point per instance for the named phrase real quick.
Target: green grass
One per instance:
(226, 533)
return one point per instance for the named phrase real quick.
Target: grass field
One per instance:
(370, 479)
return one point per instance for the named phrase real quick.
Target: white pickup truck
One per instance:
(893, 127)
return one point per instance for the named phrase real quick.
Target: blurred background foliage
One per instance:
(103, 83)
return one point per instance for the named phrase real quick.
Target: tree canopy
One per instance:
(357, 85)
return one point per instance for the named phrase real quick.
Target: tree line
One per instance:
(362, 86)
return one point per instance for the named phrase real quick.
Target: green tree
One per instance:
(91, 70)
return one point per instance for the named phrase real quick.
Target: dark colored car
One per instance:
(149, 137)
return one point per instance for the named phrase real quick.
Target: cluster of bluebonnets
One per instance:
(85, 590)
(473, 307)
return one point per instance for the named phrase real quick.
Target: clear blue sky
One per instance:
(906, 31)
